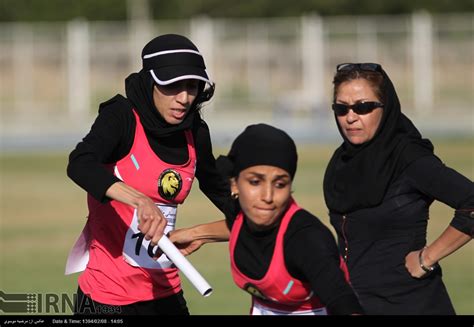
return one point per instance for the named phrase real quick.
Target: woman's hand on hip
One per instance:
(412, 264)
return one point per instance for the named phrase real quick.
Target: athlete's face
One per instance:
(174, 100)
(264, 194)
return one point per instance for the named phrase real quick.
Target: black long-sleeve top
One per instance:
(375, 241)
(310, 254)
(111, 138)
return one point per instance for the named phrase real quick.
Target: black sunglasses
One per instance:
(367, 66)
(360, 108)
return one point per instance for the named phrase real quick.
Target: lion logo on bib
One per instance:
(169, 184)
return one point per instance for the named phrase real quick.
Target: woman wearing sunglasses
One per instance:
(378, 186)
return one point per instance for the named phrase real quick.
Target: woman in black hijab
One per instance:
(378, 186)
(137, 164)
(280, 253)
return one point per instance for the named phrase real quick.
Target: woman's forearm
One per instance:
(151, 221)
(190, 239)
(216, 231)
(123, 193)
(448, 242)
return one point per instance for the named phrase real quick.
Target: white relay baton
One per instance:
(185, 266)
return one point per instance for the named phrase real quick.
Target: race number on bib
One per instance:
(138, 252)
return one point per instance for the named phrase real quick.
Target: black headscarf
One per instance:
(358, 176)
(139, 90)
(260, 144)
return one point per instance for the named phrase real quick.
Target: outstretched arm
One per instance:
(191, 239)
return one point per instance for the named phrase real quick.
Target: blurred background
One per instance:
(272, 61)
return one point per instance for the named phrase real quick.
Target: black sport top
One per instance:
(310, 253)
(375, 241)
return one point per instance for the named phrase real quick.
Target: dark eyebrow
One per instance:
(262, 176)
(282, 177)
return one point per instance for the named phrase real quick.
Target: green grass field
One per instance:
(43, 212)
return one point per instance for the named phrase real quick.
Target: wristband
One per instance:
(425, 268)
